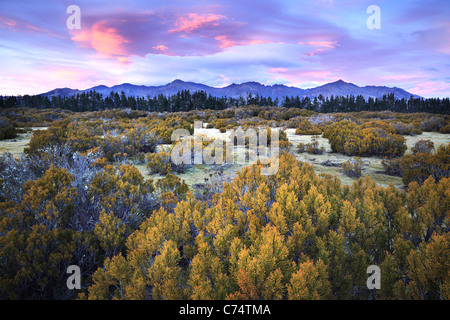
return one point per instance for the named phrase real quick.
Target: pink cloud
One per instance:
(69, 74)
(297, 76)
(194, 21)
(315, 74)
(256, 42)
(193, 34)
(430, 88)
(162, 48)
(104, 39)
(9, 22)
(278, 70)
(314, 52)
(227, 41)
(327, 44)
(118, 36)
(20, 25)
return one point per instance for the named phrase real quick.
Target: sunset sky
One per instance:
(217, 43)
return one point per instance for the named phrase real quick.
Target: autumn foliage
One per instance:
(375, 138)
(7, 129)
(74, 200)
(421, 164)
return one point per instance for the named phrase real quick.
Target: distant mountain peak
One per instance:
(254, 83)
(280, 91)
(341, 82)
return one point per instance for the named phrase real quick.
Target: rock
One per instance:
(331, 163)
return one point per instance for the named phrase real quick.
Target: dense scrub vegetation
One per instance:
(7, 129)
(306, 127)
(116, 138)
(294, 235)
(374, 138)
(421, 164)
(75, 198)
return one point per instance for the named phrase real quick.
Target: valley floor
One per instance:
(327, 163)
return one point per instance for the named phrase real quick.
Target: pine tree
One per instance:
(310, 282)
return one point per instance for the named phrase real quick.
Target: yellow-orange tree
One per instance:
(293, 235)
(375, 138)
(63, 220)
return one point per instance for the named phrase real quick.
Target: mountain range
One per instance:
(338, 88)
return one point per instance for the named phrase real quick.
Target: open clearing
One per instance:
(197, 174)
(18, 144)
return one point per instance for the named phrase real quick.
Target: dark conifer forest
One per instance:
(200, 100)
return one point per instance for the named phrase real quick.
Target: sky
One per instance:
(292, 42)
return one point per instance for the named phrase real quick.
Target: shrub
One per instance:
(283, 142)
(7, 129)
(352, 168)
(53, 136)
(307, 128)
(445, 129)
(163, 129)
(423, 146)
(161, 163)
(224, 124)
(392, 167)
(312, 147)
(406, 129)
(282, 137)
(373, 138)
(172, 183)
(419, 166)
(432, 124)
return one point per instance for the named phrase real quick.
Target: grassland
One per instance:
(326, 163)
(18, 144)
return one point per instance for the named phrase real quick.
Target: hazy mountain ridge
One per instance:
(338, 88)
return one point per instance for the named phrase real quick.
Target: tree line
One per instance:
(200, 100)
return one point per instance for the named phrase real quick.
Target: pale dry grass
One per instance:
(372, 165)
(18, 144)
(437, 138)
(198, 173)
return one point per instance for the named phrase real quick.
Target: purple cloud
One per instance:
(219, 42)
